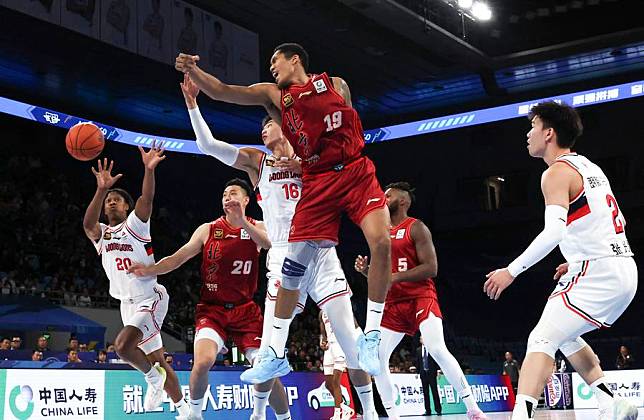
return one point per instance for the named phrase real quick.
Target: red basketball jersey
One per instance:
(324, 131)
(229, 265)
(403, 258)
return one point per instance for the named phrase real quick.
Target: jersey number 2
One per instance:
(618, 221)
(123, 263)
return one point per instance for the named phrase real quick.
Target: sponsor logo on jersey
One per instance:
(107, 236)
(400, 234)
(372, 200)
(119, 247)
(287, 100)
(308, 92)
(276, 176)
(231, 236)
(212, 287)
(244, 234)
(319, 85)
(219, 233)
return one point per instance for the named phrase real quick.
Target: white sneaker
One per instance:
(347, 412)
(624, 410)
(193, 416)
(254, 417)
(154, 393)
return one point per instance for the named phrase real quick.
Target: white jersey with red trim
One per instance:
(279, 192)
(595, 225)
(330, 336)
(119, 247)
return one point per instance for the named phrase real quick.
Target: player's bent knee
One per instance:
(572, 347)
(540, 341)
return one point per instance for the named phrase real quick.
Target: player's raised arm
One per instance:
(427, 261)
(262, 94)
(257, 231)
(176, 260)
(104, 181)
(555, 185)
(151, 158)
(246, 158)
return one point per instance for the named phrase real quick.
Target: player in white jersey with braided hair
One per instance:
(277, 178)
(598, 280)
(125, 239)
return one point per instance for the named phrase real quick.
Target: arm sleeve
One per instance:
(553, 233)
(208, 144)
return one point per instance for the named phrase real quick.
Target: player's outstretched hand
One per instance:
(234, 211)
(497, 282)
(293, 165)
(186, 63)
(362, 265)
(152, 157)
(190, 91)
(560, 271)
(140, 270)
(104, 178)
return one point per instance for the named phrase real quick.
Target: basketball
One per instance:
(84, 141)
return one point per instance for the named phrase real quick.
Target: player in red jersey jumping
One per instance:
(317, 117)
(229, 270)
(412, 302)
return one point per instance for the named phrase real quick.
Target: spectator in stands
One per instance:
(625, 359)
(512, 369)
(84, 299)
(102, 357)
(82, 347)
(73, 344)
(42, 344)
(111, 349)
(5, 344)
(72, 356)
(168, 359)
(36, 356)
(16, 343)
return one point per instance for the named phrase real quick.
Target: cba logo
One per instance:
(584, 392)
(21, 402)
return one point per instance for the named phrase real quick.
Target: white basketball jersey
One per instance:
(595, 225)
(330, 336)
(279, 192)
(119, 247)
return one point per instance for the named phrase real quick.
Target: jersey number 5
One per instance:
(402, 264)
(618, 220)
(242, 267)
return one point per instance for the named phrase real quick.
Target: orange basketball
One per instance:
(85, 141)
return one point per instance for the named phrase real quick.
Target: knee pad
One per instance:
(573, 347)
(542, 340)
(297, 259)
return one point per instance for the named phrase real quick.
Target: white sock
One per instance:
(182, 407)
(261, 400)
(374, 315)
(152, 376)
(337, 412)
(196, 406)
(279, 335)
(285, 416)
(365, 393)
(603, 394)
(468, 399)
(392, 410)
(524, 407)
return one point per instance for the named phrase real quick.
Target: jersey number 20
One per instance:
(242, 267)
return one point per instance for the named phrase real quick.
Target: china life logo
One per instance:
(21, 402)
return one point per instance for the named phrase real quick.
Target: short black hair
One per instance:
(403, 186)
(240, 183)
(562, 118)
(289, 49)
(126, 196)
(266, 120)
